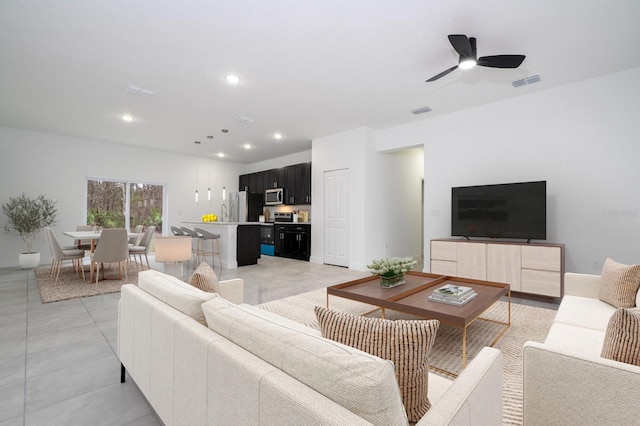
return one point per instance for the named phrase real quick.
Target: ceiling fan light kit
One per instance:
(466, 49)
(467, 63)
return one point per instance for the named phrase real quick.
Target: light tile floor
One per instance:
(58, 363)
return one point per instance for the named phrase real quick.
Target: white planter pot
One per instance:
(29, 260)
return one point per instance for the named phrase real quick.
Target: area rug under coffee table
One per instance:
(527, 323)
(72, 286)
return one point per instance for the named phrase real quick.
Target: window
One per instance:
(120, 204)
(145, 205)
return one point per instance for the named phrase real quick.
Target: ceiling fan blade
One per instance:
(460, 42)
(501, 61)
(442, 74)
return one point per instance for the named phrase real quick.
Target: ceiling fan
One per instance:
(466, 48)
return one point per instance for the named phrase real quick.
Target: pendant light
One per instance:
(209, 188)
(196, 196)
(224, 190)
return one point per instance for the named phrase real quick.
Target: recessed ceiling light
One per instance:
(232, 79)
(247, 146)
(277, 136)
(221, 154)
(128, 118)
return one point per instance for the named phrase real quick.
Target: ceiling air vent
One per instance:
(421, 110)
(529, 80)
(139, 91)
(244, 120)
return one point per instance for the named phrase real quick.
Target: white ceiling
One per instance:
(308, 69)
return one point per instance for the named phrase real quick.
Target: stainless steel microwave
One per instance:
(273, 197)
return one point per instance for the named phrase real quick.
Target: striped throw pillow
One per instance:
(622, 339)
(404, 342)
(204, 278)
(619, 284)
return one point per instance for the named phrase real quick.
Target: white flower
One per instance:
(391, 266)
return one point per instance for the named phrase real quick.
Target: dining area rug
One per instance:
(71, 285)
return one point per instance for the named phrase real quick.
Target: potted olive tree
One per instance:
(26, 217)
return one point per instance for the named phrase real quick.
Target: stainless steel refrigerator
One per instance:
(245, 206)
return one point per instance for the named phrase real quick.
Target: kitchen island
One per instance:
(239, 241)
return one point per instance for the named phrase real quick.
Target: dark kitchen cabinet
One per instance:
(295, 179)
(293, 241)
(304, 186)
(243, 183)
(248, 244)
(273, 178)
(256, 182)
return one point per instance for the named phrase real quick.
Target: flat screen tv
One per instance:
(512, 210)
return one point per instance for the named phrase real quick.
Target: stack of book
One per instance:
(457, 295)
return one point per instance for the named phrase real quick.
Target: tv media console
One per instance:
(536, 268)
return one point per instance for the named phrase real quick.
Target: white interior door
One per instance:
(336, 214)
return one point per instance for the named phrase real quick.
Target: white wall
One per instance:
(276, 163)
(341, 151)
(581, 138)
(384, 197)
(58, 166)
(400, 194)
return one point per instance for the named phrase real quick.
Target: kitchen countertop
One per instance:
(246, 223)
(221, 223)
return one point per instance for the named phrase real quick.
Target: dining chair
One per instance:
(142, 248)
(84, 244)
(215, 247)
(135, 240)
(60, 255)
(113, 247)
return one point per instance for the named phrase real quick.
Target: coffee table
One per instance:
(413, 298)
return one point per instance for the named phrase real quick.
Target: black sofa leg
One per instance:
(122, 371)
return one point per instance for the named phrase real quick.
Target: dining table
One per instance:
(93, 236)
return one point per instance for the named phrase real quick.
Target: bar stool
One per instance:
(215, 247)
(196, 245)
(177, 231)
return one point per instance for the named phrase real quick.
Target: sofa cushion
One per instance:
(575, 339)
(584, 312)
(360, 382)
(406, 343)
(174, 292)
(204, 278)
(622, 339)
(619, 284)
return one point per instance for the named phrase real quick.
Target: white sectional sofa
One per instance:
(263, 369)
(566, 382)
